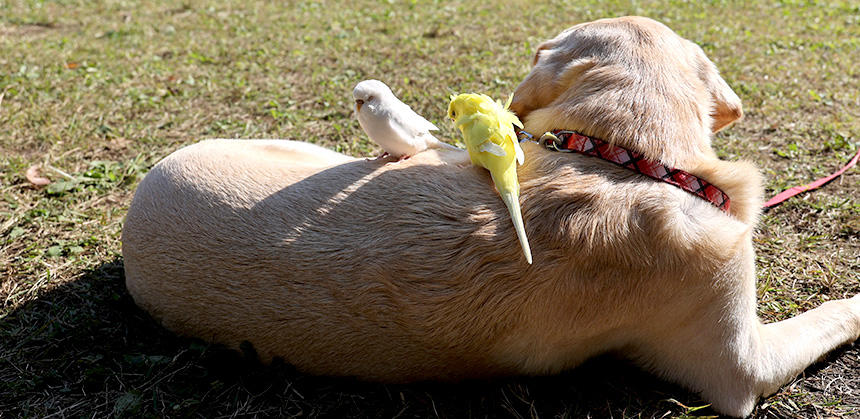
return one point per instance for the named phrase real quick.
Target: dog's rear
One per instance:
(412, 271)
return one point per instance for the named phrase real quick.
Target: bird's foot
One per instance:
(399, 159)
(383, 155)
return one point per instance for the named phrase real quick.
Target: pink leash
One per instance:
(788, 193)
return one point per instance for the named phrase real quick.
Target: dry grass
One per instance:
(96, 93)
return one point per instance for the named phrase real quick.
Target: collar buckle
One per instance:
(552, 143)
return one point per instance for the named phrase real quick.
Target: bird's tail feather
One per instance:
(512, 201)
(434, 142)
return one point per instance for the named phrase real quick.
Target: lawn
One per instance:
(94, 93)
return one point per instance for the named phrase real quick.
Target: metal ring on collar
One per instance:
(551, 142)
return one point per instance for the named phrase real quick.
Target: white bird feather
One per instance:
(392, 124)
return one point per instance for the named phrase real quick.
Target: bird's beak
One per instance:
(358, 103)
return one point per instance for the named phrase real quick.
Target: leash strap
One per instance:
(796, 190)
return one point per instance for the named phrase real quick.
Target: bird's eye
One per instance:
(453, 114)
(369, 98)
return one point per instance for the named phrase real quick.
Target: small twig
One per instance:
(70, 151)
(8, 224)
(63, 410)
(827, 387)
(60, 172)
(9, 295)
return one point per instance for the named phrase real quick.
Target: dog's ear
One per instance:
(726, 107)
(532, 89)
(543, 46)
(540, 86)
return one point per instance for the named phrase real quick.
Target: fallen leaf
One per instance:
(61, 187)
(34, 175)
(118, 143)
(71, 66)
(16, 232)
(55, 251)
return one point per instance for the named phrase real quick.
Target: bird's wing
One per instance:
(417, 138)
(507, 121)
(521, 157)
(492, 148)
(410, 120)
(404, 132)
(480, 127)
(484, 132)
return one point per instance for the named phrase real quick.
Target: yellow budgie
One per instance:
(488, 131)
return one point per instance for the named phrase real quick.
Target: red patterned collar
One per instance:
(570, 141)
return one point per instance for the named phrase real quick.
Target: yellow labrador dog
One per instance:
(412, 271)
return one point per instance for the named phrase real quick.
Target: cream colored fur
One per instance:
(412, 271)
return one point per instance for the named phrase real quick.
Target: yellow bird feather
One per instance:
(488, 131)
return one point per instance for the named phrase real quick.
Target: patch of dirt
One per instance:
(28, 30)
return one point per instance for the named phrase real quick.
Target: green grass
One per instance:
(96, 92)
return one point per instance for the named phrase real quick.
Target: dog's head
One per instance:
(628, 80)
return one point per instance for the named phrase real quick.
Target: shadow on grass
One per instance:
(84, 348)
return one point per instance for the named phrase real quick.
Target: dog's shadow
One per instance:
(84, 348)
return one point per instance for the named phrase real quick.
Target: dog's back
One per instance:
(404, 271)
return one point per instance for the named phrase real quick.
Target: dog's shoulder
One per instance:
(741, 181)
(604, 211)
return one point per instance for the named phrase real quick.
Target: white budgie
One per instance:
(392, 124)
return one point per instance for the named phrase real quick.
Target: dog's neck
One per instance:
(573, 142)
(676, 134)
(741, 181)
